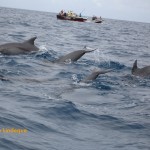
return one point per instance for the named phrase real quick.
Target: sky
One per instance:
(131, 10)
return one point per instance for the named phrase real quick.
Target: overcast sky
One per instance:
(133, 10)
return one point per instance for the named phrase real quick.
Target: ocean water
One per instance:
(48, 100)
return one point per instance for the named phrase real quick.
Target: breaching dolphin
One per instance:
(73, 56)
(143, 72)
(19, 48)
(95, 74)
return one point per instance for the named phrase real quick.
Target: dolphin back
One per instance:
(74, 56)
(19, 48)
(95, 74)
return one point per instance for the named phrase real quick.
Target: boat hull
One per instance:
(79, 19)
(98, 21)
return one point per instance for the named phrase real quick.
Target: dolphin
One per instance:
(19, 48)
(73, 56)
(143, 72)
(95, 74)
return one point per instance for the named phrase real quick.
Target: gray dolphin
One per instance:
(19, 48)
(73, 56)
(143, 72)
(95, 74)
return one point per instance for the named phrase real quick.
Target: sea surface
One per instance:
(48, 99)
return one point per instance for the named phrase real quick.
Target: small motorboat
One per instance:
(96, 19)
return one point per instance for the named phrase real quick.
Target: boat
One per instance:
(71, 16)
(96, 19)
(80, 19)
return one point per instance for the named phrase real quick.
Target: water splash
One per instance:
(75, 78)
(99, 56)
(43, 48)
(68, 61)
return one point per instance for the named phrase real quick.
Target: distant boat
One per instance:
(97, 20)
(71, 16)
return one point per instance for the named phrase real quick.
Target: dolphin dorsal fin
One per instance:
(31, 41)
(134, 66)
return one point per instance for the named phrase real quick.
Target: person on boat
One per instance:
(71, 14)
(65, 14)
(68, 14)
(94, 17)
(61, 13)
